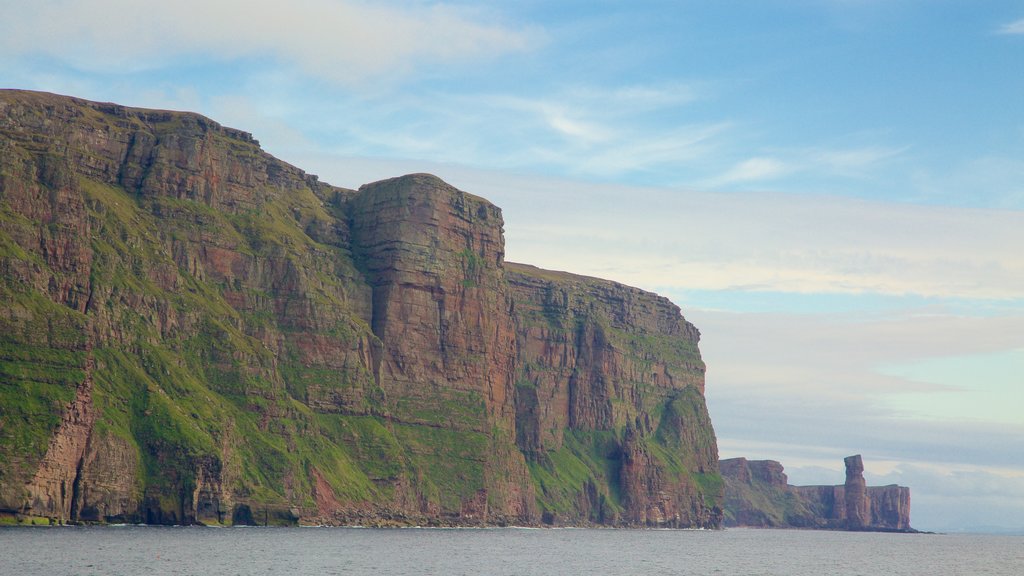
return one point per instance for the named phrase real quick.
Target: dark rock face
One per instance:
(756, 494)
(192, 331)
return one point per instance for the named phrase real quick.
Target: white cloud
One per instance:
(560, 122)
(1016, 27)
(756, 169)
(340, 41)
(830, 162)
(669, 150)
(847, 356)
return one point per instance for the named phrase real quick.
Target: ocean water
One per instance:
(138, 550)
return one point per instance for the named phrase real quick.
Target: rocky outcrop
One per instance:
(757, 494)
(192, 331)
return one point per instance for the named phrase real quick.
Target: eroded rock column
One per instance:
(858, 508)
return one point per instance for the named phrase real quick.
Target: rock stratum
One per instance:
(757, 494)
(192, 331)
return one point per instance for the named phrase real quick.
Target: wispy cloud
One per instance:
(853, 161)
(828, 162)
(637, 98)
(1015, 27)
(671, 150)
(757, 169)
(605, 133)
(339, 41)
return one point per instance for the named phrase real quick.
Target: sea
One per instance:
(146, 550)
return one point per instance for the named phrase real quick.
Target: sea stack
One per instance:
(757, 494)
(858, 507)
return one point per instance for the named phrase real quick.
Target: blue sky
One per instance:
(833, 190)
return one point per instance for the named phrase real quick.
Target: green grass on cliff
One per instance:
(770, 504)
(370, 442)
(318, 384)
(12, 226)
(448, 464)
(562, 476)
(160, 410)
(472, 268)
(176, 420)
(42, 362)
(280, 457)
(457, 409)
(678, 352)
(31, 407)
(213, 394)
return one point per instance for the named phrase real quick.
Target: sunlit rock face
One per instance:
(193, 331)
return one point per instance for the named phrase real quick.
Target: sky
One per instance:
(832, 190)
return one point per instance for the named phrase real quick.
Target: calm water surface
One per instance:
(135, 550)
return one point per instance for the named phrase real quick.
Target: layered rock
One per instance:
(757, 494)
(192, 331)
(610, 372)
(433, 256)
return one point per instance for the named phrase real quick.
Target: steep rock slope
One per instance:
(610, 399)
(194, 331)
(757, 494)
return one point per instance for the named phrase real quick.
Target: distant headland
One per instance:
(757, 494)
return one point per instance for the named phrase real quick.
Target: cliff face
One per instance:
(757, 494)
(194, 331)
(609, 390)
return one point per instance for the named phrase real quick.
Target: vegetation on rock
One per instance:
(192, 331)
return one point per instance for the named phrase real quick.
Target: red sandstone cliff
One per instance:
(194, 331)
(613, 371)
(757, 494)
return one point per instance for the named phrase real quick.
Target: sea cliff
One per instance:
(193, 331)
(757, 494)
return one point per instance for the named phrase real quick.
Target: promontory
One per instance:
(193, 331)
